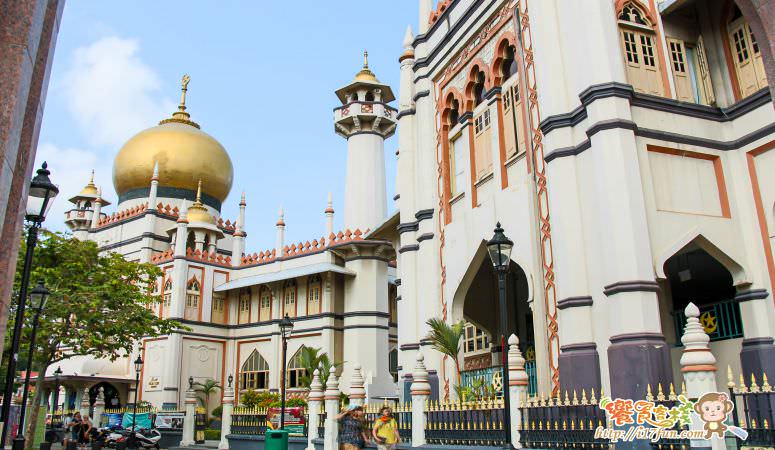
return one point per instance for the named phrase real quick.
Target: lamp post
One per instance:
(286, 328)
(138, 368)
(499, 248)
(231, 380)
(38, 297)
(57, 374)
(39, 199)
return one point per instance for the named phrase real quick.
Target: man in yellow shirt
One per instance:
(385, 430)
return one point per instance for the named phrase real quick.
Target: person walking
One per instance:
(352, 432)
(385, 430)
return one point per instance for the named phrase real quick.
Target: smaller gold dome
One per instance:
(197, 212)
(90, 189)
(366, 74)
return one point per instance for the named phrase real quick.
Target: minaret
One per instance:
(238, 239)
(80, 218)
(146, 252)
(425, 14)
(365, 119)
(95, 218)
(330, 215)
(280, 243)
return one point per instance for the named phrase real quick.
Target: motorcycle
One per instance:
(142, 438)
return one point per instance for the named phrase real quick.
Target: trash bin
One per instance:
(276, 440)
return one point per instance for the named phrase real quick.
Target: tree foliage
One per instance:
(312, 358)
(100, 304)
(206, 389)
(446, 339)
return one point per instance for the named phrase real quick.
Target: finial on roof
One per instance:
(281, 220)
(242, 199)
(197, 212)
(366, 74)
(90, 189)
(330, 204)
(199, 192)
(408, 37)
(365, 59)
(181, 116)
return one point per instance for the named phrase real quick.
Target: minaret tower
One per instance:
(81, 217)
(365, 119)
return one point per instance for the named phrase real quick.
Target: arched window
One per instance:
(254, 373)
(509, 64)
(289, 298)
(746, 55)
(640, 50)
(265, 305)
(207, 242)
(478, 91)
(393, 364)
(314, 294)
(243, 306)
(218, 313)
(296, 370)
(369, 96)
(192, 299)
(87, 205)
(454, 113)
(191, 241)
(167, 295)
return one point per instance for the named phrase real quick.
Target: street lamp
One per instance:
(57, 375)
(38, 297)
(499, 248)
(231, 380)
(286, 328)
(39, 199)
(138, 368)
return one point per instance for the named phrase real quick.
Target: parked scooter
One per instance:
(143, 438)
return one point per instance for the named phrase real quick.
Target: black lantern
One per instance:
(499, 248)
(138, 364)
(38, 296)
(191, 382)
(286, 326)
(231, 380)
(41, 195)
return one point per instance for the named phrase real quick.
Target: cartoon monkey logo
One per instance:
(713, 408)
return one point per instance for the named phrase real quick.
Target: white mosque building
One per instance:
(624, 145)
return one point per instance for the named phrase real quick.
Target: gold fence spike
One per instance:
(671, 394)
(592, 398)
(766, 424)
(730, 377)
(567, 399)
(583, 396)
(660, 393)
(564, 425)
(649, 394)
(743, 387)
(754, 386)
(765, 384)
(753, 423)
(683, 388)
(575, 398)
(556, 425)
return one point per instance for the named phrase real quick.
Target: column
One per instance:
(85, 404)
(518, 381)
(99, 407)
(190, 420)
(331, 397)
(698, 366)
(421, 390)
(314, 402)
(758, 353)
(228, 409)
(357, 394)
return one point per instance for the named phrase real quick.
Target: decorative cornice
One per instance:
(409, 347)
(423, 214)
(396, 197)
(421, 94)
(409, 248)
(407, 227)
(573, 302)
(579, 347)
(630, 337)
(630, 286)
(406, 112)
(424, 237)
(752, 294)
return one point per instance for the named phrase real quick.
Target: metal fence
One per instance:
(754, 410)
(248, 421)
(402, 413)
(720, 320)
(668, 402)
(465, 423)
(489, 379)
(557, 423)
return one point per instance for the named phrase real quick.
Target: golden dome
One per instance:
(197, 211)
(366, 74)
(183, 152)
(90, 189)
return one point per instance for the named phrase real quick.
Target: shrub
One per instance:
(217, 411)
(212, 435)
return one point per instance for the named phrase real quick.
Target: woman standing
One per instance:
(352, 432)
(385, 430)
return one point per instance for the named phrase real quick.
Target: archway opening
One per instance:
(693, 275)
(110, 393)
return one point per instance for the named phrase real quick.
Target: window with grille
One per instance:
(192, 294)
(265, 304)
(677, 56)
(475, 339)
(254, 373)
(647, 45)
(630, 47)
(243, 306)
(746, 56)
(168, 293)
(296, 371)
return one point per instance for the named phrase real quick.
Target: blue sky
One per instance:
(263, 76)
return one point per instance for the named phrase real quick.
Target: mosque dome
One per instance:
(184, 153)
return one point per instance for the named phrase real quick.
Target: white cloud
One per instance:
(70, 170)
(112, 93)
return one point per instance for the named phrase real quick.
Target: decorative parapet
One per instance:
(305, 248)
(208, 257)
(440, 8)
(158, 258)
(122, 215)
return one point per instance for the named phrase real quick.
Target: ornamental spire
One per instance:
(181, 116)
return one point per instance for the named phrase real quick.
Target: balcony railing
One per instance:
(484, 377)
(721, 321)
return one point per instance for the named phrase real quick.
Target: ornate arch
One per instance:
(477, 66)
(644, 10)
(508, 39)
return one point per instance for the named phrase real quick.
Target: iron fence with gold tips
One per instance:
(401, 412)
(754, 408)
(664, 402)
(562, 422)
(322, 421)
(249, 421)
(477, 422)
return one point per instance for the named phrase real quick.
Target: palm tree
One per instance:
(446, 338)
(313, 358)
(210, 386)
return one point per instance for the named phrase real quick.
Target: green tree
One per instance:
(205, 390)
(446, 339)
(313, 358)
(100, 306)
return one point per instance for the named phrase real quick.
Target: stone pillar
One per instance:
(27, 43)
(357, 392)
(190, 420)
(758, 353)
(95, 218)
(331, 397)
(280, 240)
(228, 408)
(698, 366)
(420, 390)
(329, 215)
(517, 387)
(99, 407)
(85, 404)
(314, 402)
